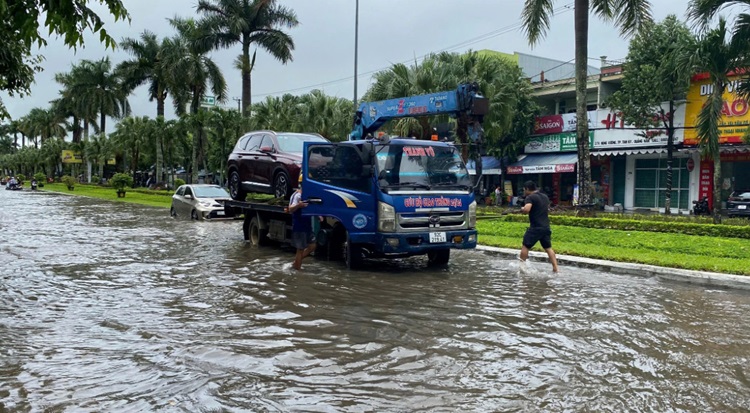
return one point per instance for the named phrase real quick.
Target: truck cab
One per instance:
(390, 198)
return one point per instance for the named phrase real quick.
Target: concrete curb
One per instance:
(712, 279)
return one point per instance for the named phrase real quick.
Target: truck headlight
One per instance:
(386, 217)
(473, 214)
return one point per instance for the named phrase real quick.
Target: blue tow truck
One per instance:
(385, 197)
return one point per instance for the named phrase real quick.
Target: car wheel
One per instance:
(235, 187)
(258, 236)
(281, 186)
(194, 215)
(352, 255)
(172, 212)
(438, 257)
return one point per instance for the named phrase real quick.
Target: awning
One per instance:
(547, 163)
(622, 151)
(734, 149)
(490, 166)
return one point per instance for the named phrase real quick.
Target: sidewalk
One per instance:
(712, 279)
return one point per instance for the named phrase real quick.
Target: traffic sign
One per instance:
(208, 101)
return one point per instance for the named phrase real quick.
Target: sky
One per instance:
(390, 31)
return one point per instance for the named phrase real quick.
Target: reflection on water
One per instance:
(111, 307)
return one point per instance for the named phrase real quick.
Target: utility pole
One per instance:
(239, 101)
(356, 44)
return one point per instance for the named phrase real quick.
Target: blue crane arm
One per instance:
(465, 100)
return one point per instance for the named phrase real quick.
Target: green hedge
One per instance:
(688, 228)
(151, 191)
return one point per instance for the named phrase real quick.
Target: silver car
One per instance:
(198, 201)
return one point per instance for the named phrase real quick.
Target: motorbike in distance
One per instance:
(700, 207)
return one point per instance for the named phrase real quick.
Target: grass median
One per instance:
(162, 199)
(702, 253)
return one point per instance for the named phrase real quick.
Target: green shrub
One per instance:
(96, 179)
(20, 178)
(69, 181)
(120, 181)
(153, 191)
(178, 183)
(40, 177)
(625, 224)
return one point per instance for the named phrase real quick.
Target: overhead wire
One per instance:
(486, 36)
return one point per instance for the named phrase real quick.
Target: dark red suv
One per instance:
(267, 162)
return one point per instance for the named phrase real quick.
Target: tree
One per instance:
(719, 57)
(652, 76)
(193, 73)
(629, 15)
(100, 89)
(147, 66)
(44, 124)
(511, 113)
(228, 22)
(99, 149)
(130, 135)
(20, 24)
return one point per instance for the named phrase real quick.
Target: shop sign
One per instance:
(560, 142)
(566, 122)
(541, 169)
(735, 157)
(69, 156)
(613, 132)
(735, 113)
(706, 182)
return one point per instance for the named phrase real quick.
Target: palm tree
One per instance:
(629, 15)
(100, 89)
(99, 149)
(147, 66)
(193, 73)
(130, 135)
(45, 124)
(228, 22)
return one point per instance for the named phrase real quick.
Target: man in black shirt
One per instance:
(537, 206)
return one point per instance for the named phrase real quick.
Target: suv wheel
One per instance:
(281, 186)
(235, 187)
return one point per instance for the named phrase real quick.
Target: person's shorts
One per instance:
(301, 240)
(540, 235)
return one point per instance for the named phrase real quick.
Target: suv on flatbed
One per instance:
(267, 162)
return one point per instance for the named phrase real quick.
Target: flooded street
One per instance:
(115, 307)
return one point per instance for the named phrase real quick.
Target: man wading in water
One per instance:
(537, 206)
(303, 237)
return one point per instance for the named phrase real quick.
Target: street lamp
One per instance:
(356, 41)
(238, 100)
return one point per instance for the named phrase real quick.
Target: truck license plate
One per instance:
(220, 213)
(437, 237)
(741, 206)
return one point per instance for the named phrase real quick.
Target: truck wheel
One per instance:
(439, 257)
(172, 212)
(194, 215)
(352, 255)
(235, 187)
(281, 186)
(258, 237)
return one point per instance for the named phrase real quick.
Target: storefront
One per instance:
(554, 174)
(734, 122)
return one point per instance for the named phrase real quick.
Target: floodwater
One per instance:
(113, 307)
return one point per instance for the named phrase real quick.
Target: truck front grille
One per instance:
(431, 220)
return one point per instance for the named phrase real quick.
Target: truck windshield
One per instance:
(420, 167)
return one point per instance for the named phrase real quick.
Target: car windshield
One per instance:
(420, 167)
(295, 143)
(210, 192)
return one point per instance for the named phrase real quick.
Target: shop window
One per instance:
(651, 182)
